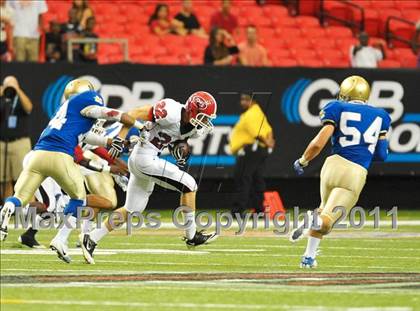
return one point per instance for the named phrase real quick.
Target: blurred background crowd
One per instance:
(310, 33)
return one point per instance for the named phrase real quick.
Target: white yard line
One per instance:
(189, 305)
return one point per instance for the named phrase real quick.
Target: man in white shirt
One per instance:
(27, 19)
(365, 56)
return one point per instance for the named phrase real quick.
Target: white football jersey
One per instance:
(166, 127)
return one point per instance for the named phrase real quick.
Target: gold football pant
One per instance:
(101, 183)
(43, 164)
(341, 184)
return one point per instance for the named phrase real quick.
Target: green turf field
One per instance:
(153, 270)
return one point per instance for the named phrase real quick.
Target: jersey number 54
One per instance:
(353, 135)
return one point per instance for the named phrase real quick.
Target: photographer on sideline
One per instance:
(251, 141)
(15, 107)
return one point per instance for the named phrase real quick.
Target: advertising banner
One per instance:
(290, 97)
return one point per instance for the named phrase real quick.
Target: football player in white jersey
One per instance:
(168, 121)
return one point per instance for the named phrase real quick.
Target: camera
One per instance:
(9, 92)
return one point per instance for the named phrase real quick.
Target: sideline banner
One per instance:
(290, 97)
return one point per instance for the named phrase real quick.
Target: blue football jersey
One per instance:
(68, 126)
(357, 129)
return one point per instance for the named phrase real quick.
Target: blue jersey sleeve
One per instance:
(89, 99)
(331, 113)
(386, 122)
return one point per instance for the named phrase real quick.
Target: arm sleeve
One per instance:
(100, 112)
(330, 114)
(78, 154)
(381, 150)
(386, 122)
(208, 56)
(103, 153)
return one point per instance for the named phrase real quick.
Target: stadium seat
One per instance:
(338, 32)
(310, 62)
(388, 63)
(303, 54)
(314, 33)
(299, 44)
(324, 44)
(336, 63)
(284, 62)
(409, 62)
(307, 21)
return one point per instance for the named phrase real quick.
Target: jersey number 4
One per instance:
(353, 135)
(59, 118)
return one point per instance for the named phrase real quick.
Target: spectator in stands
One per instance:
(224, 19)
(83, 12)
(365, 56)
(53, 43)
(89, 50)
(251, 53)
(27, 20)
(6, 31)
(15, 109)
(190, 20)
(221, 48)
(161, 24)
(71, 30)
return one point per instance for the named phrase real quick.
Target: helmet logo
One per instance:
(202, 104)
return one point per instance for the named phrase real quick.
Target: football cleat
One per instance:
(308, 262)
(61, 249)
(28, 239)
(301, 231)
(5, 215)
(88, 246)
(200, 238)
(3, 234)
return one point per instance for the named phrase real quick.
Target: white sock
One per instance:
(64, 233)
(86, 224)
(311, 247)
(97, 234)
(37, 222)
(191, 229)
(316, 223)
(6, 217)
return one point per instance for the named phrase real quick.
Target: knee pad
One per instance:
(326, 225)
(71, 207)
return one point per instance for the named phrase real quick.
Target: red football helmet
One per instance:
(202, 109)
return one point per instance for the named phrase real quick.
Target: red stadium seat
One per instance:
(298, 44)
(285, 62)
(309, 7)
(404, 5)
(339, 10)
(371, 22)
(331, 54)
(388, 63)
(280, 53)
(307, 21)
(339, 32)
(402, 53)
(409, 62)
(168, 60)
(326, 44)
(303, 54)
(310, 62)
(276, 11)
(336, 63)
(314, 32)
(289, 32)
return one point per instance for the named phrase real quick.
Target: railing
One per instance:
(123, 42)
(389, 36)
(352, 24)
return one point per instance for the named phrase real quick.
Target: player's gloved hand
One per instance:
(181, 153)
(299, 165)
(117, 147)
(121, 181)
